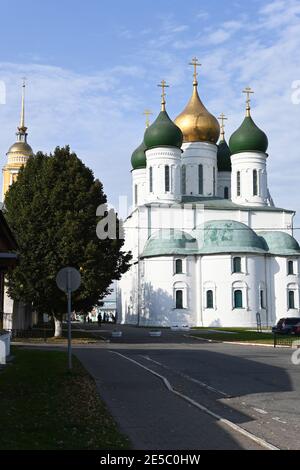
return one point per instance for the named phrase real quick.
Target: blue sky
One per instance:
(92, 68)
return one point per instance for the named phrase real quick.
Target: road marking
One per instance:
(259, 410)
(192, 379)
(203, 408)
(279, 420)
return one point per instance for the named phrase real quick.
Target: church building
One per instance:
(209, 246)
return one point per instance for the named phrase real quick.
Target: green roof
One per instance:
(217, 203)
(228, 236)
(163, 133)
(138, 158)
(170, 242)
(280, 243)
(248, 137)
(223, 156)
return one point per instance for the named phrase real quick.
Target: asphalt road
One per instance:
(174, 392)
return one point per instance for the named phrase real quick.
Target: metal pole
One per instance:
(69, 323)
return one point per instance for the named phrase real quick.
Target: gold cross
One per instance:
(147, 113)
(222, 118)
(248, 91)
(163, 85)
(195, 62)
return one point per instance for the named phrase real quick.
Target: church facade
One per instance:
(209, 246)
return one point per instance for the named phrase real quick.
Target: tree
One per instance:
(51, 209)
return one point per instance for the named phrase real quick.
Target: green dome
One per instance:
(138, 158)
(223, 156)
(280, 243)
(248, 137)
(228, 236)
(163, 133)
(170, 242)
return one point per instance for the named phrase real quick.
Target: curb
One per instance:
(240, 343)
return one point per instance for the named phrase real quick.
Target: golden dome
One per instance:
(196, 123)
(21, 148)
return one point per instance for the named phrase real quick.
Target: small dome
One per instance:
(21, 148)
(228, 236)
(223, 156)
(163, 133)
(138, 158)
(248, 138)
(170, 242)
(196, 122)
(280, 243)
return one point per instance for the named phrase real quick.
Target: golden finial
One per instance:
(147, 113)
(222, 118)
(22, 119)
(195, 62)
(163, 85)
(248, 91)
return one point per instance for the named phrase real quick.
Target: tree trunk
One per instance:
(58, 327)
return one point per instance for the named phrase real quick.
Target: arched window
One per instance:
(262, 298)
(238, 183)
(238, 299)
(167, 178)
(200, 179)
(290, 267)
(291, 299)
(226, 192)
(179, 298)
(150, 179)
(214, 181)
(209, 299)
(178, 266)
(255, 188)
(237, 264)
(183, 179)
(135, 194)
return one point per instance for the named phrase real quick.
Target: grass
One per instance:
(45, 407)
(40, 335)
(238, 335)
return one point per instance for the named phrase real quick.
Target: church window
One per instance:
(238, 183)
(262, 298)
(214, 181)
(151, 179)
(167, 178)
(135, 194)
(238, 299)
(237, 264)
(209, 299)
(178, 266)
(226, 192)
(179, 298)
(291, 299)
(183, 179)
(200, 179)
(290, 267)
(255, 187)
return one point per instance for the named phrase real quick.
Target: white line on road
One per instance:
(259, 410)
(228, 423)
(192, 379)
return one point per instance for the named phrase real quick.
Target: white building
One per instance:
(209, 247)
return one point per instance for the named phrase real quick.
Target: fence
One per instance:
(284, 340)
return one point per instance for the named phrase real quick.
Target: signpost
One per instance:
(68, 280)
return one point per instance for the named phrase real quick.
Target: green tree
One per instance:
(51, 209)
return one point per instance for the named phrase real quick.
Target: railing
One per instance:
(285, 340)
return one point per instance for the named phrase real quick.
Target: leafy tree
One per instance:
(51, 209)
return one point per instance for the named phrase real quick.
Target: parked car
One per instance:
(287, 326)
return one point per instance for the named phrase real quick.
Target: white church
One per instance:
(209, 246)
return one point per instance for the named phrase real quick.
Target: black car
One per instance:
(287, 326)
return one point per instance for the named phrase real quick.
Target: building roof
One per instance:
(220, 236)
(280, 243)
(217, 203)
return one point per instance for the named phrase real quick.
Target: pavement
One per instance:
(176, 392)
